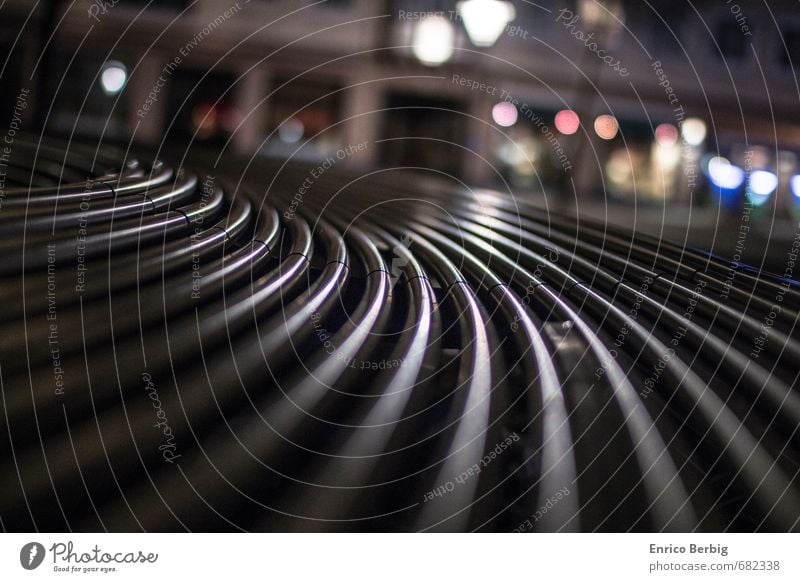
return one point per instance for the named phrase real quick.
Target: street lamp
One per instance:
(433, 40)
(113, 77)
(485, 20)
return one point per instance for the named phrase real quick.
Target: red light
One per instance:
(667, 134)
(567, 121)
(205, 119)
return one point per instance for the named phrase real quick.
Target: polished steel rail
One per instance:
(387, 352)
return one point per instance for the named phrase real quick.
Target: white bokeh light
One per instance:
(113, 77)
(794, 183)
(762, 184)
(291, 131)
(504, 114)
(693, 131)
(723, 174)
(433, 40)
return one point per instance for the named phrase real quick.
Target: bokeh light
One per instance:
(794, 183)
(504, 114)
(693, 131)
(667, 134)
(291, 131)
(433, 40)
(485, 20)
(725, 175)
(606, 126)
(567, 121)
(205, 119)
(762, 184)
(113, 77)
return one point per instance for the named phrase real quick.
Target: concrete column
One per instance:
(250, 91)
(148, 125)
(589, 174)
(479, 138)
(359, 100)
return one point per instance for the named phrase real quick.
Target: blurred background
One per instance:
(674, 117)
